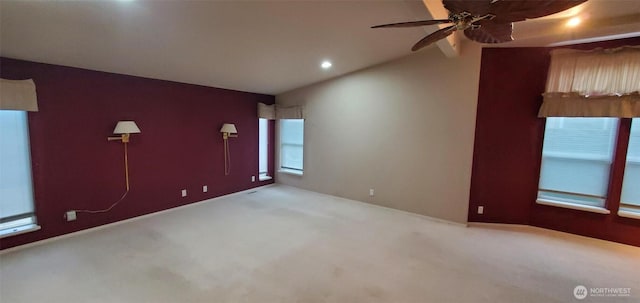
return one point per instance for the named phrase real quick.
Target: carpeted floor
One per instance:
(282, 244)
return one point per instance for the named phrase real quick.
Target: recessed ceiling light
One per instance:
(573, 22)
(325, 64)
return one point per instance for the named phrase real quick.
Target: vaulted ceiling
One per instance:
(257, 46)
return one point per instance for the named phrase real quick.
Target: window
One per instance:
(576, 160)
(630, 200)
(263, 151)
(577, 157)
(16, 188)
(291, 145)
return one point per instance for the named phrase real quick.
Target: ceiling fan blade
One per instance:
(490, 32)
(520, 10)
(414, 23)
(475, 7)
(435, 36)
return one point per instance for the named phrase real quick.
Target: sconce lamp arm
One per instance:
(124, 138)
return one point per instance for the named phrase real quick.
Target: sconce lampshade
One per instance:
(229, 128)
(126, 127)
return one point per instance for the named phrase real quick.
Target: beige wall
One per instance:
(404, 128)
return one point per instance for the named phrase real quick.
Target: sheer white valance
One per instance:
(18, 95)
(597, 83)
(272, 112)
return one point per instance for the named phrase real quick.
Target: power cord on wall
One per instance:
(102, 210)
(227, 158)
(71, 214)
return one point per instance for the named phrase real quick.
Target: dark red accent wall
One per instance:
(75, 167)
(508, 148)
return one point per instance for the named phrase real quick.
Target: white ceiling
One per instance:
(258, 46)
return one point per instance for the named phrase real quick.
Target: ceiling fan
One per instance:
(486, 21)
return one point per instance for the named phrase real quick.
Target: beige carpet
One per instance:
(282, 244)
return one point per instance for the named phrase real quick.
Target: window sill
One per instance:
(593, 209)
(291, 171)
(18, 230)
(629, 214)
(264, 178)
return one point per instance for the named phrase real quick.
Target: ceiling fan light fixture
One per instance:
(573, 22)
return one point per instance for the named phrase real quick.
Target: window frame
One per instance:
(26, 222)
(612, 202)
(623, 210)
(588, 201)
(263, 175)
(285, 169)
(633, 206)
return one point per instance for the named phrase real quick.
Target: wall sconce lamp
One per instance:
(125, 129)
(228, 130)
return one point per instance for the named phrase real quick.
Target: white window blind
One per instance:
(631, 183)
(291, 143)
(16, 188)
(576, 160)
(263, 139)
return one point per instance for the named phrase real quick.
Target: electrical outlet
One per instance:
(205, 189)
(70, 215)
(184, 192)
(253, 178)
(480, 210)
(371, 192)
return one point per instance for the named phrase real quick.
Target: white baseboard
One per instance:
(547, 231)
(445, 221)
(97, 228)
(488, 224)
(439, 220)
